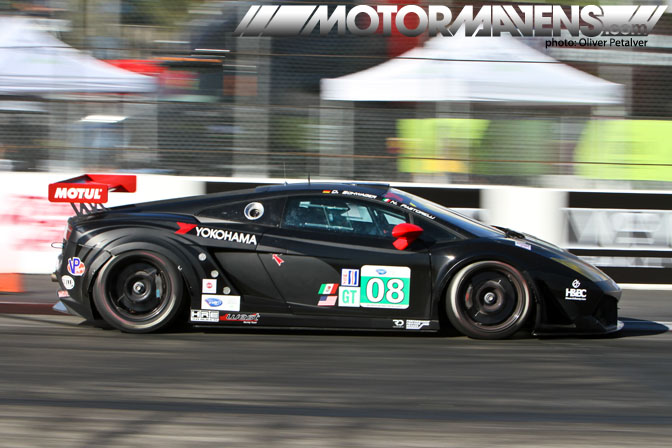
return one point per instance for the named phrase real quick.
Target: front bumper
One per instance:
(602, 320)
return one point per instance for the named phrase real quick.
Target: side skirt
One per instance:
(276, 320)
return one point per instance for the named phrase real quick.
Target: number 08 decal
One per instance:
(386, 287)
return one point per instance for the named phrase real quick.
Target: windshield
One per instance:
(424, 207)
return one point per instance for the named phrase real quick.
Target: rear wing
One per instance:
(90, 190)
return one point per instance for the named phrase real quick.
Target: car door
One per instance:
(334, 257)
(241, 263)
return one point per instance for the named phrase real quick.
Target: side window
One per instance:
(435, 232)
(253, 211)
(341, 215)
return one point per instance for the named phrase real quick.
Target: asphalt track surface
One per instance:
(65, 383)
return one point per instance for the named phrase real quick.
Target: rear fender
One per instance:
(181, 258)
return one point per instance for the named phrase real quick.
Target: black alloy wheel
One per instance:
(488, 300)
(138, 292)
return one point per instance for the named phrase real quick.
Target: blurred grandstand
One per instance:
(187, 98)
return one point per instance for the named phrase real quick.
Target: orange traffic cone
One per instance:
(10, 283)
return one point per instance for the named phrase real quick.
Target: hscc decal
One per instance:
(78, 193)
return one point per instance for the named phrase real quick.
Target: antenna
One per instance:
(284, 170)
(308, 177)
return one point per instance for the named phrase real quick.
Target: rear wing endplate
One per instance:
(89, 191)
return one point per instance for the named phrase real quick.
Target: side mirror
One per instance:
(405, 233)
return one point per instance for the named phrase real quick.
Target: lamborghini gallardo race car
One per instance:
(317, 255)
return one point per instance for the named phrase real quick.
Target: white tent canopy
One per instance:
(473, 69)
(32, 61)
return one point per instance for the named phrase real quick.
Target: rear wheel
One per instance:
(488, 300)
(138, 292)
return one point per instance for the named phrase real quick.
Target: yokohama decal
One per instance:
(184, 228)
(217, 234)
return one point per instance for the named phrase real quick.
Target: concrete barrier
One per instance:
(628, 234)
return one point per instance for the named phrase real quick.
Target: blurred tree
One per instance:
(154, 12)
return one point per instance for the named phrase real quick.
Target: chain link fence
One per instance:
(256, 110)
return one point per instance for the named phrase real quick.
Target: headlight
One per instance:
(583, 268)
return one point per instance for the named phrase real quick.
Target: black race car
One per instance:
(317, 255)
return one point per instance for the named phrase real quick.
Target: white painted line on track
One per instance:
(644, 287)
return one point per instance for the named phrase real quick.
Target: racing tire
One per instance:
(139, 292)
(488, 300)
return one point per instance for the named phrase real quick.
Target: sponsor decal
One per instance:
(435, 19)
(76, 267)
(211, 301)
(576, 293)
(398, 323)
(209, 286)
(524, 245)
(63, 294)
(204, 316)
(241, 317)
(349, 277)
(277, 259)
(385, 287)
(327, 301)
(220, 302)
(184, 227)
(416, 324)
(348, 296)
(327, 191)
(217, 234)
(94, 194)
(68, 282)
(328, 288)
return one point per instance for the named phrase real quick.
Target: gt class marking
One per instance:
(348, 296)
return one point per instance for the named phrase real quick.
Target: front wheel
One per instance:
(138, 292)
(488, 300)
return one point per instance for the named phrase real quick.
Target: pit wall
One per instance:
(628, 234)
